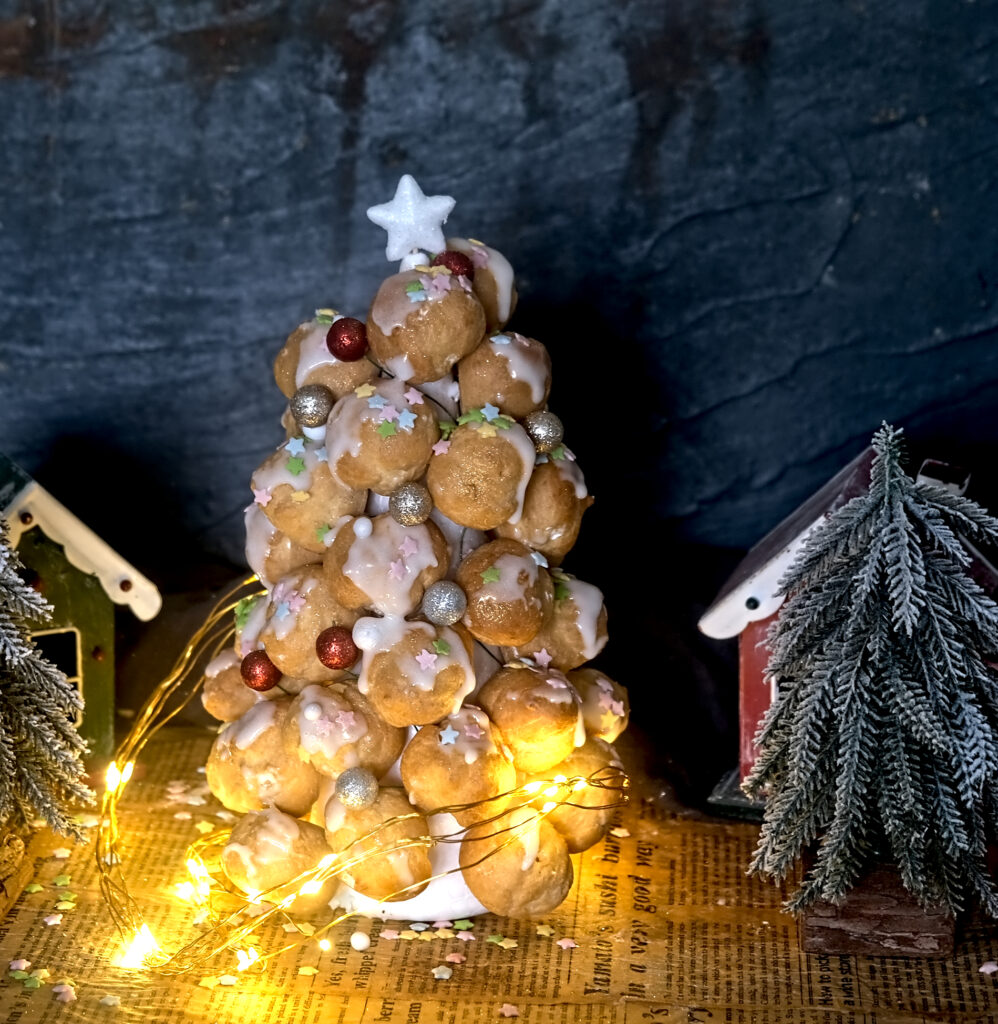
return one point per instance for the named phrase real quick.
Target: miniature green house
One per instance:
(83, 579)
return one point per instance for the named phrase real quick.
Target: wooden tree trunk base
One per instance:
(877, 918)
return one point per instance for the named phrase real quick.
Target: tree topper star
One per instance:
(412, 220)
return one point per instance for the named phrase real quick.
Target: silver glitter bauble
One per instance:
(311, 405)
(545, 430)
(410, 505)
(444, 603)
(357, 787)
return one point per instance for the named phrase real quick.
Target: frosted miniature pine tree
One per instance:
(881, 743)
(40, 749)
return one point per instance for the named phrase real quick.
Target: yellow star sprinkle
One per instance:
(474, 241)
(487, 430)
(426, 936)
(408, 934)
(545, 930)
(364, 391)
(444, 933)
(209, 982)
(308, 970)
(432, 271)
(300, 496)
(508, 943)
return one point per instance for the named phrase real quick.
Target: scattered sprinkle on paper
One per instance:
(204, 827)
(228, 979)
(408, 935)
(62, 853)
(41, 974)
(464, 924)
(183, 815)
(225, 815)
(53, 919)
(208, 982)
(567, 943)
(110, 1000)
(64, 993)
(308, 971)
(986, 968)
(61, 881)
(444, 933)
(455, 958)
(442, 972)
(465, 936)
(65, 905)
(34, 887)
(389, 933)
(545, 930)
(23, 965)
(495, 938)
(32, 982)
(507, 943)
(443, 924)
(619, 833)
(509, 1010)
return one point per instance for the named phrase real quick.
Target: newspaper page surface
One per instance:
(662, 926)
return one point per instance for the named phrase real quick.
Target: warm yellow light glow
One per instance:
(112, 777)
(581, 784)
(325, 945)
(532, 787)
(327, 861)
(186, 892)
(134, 953)
(246, 958)
(549, 806)
(561, 778)
(310, 887)
(127, 772)
(551, 791)
(253, 895)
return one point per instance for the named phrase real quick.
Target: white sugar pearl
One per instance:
(360, 941)
(312, 712)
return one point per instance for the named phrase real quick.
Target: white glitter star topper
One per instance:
(412, 220)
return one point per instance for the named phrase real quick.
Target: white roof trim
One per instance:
(83, 548)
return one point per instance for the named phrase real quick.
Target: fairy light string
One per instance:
(235, 919)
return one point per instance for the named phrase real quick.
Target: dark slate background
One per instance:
(748, 232)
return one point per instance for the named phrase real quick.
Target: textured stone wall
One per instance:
(748, 231)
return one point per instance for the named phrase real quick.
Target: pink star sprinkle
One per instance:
(617, 707)
(440, 285)
(64, 993)
(543, 658)
(604, 702)
(262, 496)
(388, 412)
(473, 731)
(426, 660)
(567, 943)
(322, 727)
(408, 547)
(53, 919)
(346, 720)
(20, 965)
(443, 924)
(413, 397)
(389, 933)
(296, 602)
(479, 256)
(509, 1010)
(464, 282)
(441, 448)
(986, 968)
(465, 936)
(396, 570)
(455, 958)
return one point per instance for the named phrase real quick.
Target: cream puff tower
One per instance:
(419, 652)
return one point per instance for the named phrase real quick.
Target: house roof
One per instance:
(26, 504)
(751, 592)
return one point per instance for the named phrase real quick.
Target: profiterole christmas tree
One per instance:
(40, 749)
(881, 742)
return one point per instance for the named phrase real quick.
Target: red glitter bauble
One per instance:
(456, 262)
(259, 672)
(347, 339)
(335, 648)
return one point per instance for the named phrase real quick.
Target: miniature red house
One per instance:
(751, 599)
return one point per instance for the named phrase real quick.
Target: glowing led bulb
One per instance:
(532, 787)
(325, 945)
(134, 954)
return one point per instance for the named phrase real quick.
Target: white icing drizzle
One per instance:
(315, 433)
(376, 565)
(249, 636)
(314, 352)
(245, 731)
(588, 601)
(392, 305)
(227, 659)
(326, 734)
(525, 361)
(570, 471)
(508, 587)
(556, 689)
(281, 626)
(380, 635)
(400, 366)
(445, 392)
(351, 412)
(335, 814)
(399, 860)
(259, 536)
(524, 447)
(526, 825)
(475, 739)
(500, 269)
(275, 472)
(274, 840)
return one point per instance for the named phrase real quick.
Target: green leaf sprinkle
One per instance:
(491, 575)
(413, 286)
(447, 428)
(324, 316)
(34, 887)
(502, 422)
(463, 925)
(387, 428)
(19, 975)
(295, 465)
(321, 531)
(32, 982)
(61, 880)
(561, 591)
(557, 453)
(441, 647)
(242, 613)
(472, 416)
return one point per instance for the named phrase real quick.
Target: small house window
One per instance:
(62, 648)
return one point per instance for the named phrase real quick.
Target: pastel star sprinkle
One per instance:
(617, 707)
(388, 412)
(507, 943)
(490, 575)
(62, 853)
(308, 971)
(389, 933)
(443, 924)
(567, 943)
(321, 454)
(412, 219)
(228, 980)
(545, 929)
(442, 972)
(61, 881)
(65, 905)
(209, 981)
(296, 602)
(455, 958)
(441, 647)
(509, 1010)
(262, 496)
(296, 446)
(988, 967)
(408, 546)
(52, 920)
(64, 993)
(464, 924)
(110, 1000)
(465, 936)
(487, 430)
(415, 291)
(408, 935)
(439, 286)
(449, 735)
(490, 411)
(300, 496)
(387, 429)
(407, 419)
(441, 448)
(20, 965)
(295, 465)
(444, 933)
(500, 339)
(396, 570)
(473, 731)
(346, 719)
(364, 391)
(426, 660)
(283, 610)
(542, 657)
(495, 938)
(619, 833)
(33, 887)
(320, 533)
(41, 974)
(413, 397)
(377, 402)
(204, 827)
(426, 936)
